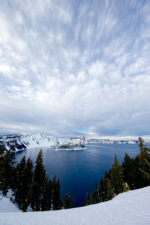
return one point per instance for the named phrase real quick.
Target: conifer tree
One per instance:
(116, 176)
(128, 167)
(39, 179)
(101, 190)
(94, 198)
(67, 202)
(19, 185)
(95, 195)
(2, 150)
(56, 201)
(7, 166)
(27, 185)
(1, 166)
(144, 163)
(47, 195)
(104, 194)
(88, 200)
(109, 189)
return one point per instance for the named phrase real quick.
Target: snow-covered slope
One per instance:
(131, 208)
(7, 206)
(118, 140)
(24, 141)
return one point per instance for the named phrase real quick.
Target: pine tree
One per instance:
(19, 185)
(56, 201)
(144, 163)
(95, 195)
(128, 166)
(109, 189)
(2, 150)
(101, 190)
(27, 185)
(88, 200)
(39, 179)
(67, 202)
(1, 166)
(116, 176)
(104, 194)
(47, 195)
(6, 170)
(107, 192)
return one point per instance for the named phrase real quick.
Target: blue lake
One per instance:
(79, 171)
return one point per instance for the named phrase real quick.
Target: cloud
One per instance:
(75, 68)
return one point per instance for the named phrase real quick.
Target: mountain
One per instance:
(117, 140)
(21, 142)
(127, 208)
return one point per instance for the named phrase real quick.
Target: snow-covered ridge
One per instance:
(25, 141)
(130, 208)
(117, 140)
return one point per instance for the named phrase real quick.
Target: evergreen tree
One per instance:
(141, 144)
(144, 163)
(2, 150)
(134, 173)
(104, 194)
(6, 169)
(67, 202)
(109, 189)
(95, 195)
(1, 166)
(101, 190)
(47, 195)
(88, 200)
(27, 185)
(39, 180)
(19, 185)
(31, 189)
(137, 179)
(116, 176)
(107, 192)
(128, 167)
(56, 201)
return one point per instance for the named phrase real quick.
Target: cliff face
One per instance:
(24, 141)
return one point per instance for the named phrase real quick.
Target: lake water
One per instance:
(78, 171)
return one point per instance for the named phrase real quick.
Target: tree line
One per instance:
(132, 174)
(32, 189)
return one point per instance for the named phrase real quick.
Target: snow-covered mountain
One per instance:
(25, 141)
(117, 140)
(129, 208)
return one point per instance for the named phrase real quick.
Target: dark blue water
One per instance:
(78, 171)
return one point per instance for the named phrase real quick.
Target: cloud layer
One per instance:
(75, 67)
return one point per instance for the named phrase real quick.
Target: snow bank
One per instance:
(7, 206)
(131, 208)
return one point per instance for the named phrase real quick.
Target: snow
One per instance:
(130, 208)
(118, 139)
(28, 141)
(7, 206)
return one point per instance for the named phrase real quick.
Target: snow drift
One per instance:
(130, 208)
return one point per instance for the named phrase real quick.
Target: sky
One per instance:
(74, 67)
